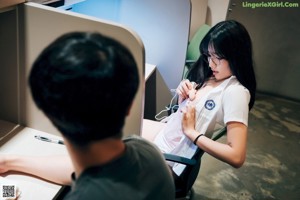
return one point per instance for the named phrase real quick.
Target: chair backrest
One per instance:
(187, 178)
(193, 51)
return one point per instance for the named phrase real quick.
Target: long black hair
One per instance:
(231, 41)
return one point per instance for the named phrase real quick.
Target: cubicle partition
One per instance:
(41, 25)
(163, 26)
(25, 30)
(9, 106)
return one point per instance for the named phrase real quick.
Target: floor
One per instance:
(271, 170)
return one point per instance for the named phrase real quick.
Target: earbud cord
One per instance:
(168, 108)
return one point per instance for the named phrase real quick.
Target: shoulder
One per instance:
(144, 152)
(142, 147)
(135, 140)
(149, 159)
(236, 103)
(236, 90)
(236, 97)
(236, 86)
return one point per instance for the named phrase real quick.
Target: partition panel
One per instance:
(39, 26)
(9, 107)
(163, 26)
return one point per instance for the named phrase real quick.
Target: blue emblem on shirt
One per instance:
(210, 104)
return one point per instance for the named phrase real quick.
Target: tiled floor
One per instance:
(272, 168)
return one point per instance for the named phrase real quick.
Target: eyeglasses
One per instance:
(214, 60)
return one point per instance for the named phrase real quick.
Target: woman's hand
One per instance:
(188, 121)
(57, 168)
(185, 90)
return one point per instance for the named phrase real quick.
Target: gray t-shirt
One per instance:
(140, 173)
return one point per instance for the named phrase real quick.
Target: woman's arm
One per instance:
(233, 153)
(56, 169)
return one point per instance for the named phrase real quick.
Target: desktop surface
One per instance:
(22, 141)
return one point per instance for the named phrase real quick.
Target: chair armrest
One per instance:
(179, 159)
(220, 134)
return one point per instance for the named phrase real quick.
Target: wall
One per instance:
(105, 9)
(198, 15)
(275, 35)
(216, 11)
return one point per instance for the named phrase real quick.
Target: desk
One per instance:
(22, 142)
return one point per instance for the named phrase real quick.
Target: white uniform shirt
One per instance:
(224, 103)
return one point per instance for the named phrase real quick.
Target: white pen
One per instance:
(56, 141)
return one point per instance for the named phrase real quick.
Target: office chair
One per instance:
(193, 52)
(184, 182)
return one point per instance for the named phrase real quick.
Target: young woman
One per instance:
(219, 92)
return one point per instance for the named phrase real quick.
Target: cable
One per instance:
(168, 108)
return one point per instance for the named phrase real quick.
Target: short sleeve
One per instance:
(235, 104)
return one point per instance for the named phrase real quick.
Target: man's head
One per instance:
(85, 84)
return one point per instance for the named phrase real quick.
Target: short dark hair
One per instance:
(85, 84)
(231, 41)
